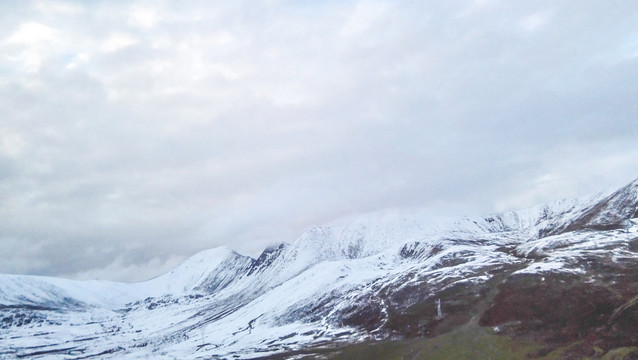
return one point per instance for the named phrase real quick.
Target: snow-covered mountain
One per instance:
(378, 276)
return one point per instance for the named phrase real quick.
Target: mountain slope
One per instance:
(611, 212)
(208, 270)
(542, 274)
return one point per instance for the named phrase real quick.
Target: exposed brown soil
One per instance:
(561, 309)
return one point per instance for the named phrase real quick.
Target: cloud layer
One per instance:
(134, 134)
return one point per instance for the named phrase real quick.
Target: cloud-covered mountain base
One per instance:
(556, 281)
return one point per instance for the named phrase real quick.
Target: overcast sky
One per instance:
(134, 134)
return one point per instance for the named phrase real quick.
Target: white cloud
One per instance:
(363, 17)
(31, 33)
(118, 41)
(77, 60)
(11, 143)
(534, 22)
(143, 16)
(30, 45)
(59, 8)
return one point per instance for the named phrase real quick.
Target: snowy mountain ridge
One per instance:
(344, 283)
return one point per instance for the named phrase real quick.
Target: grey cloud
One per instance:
(150, 131)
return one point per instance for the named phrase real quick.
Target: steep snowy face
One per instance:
(610, 212)
(267, 257)
(209, 271)
(374, 233)
(279, 264)
(540, 221)
(371, 234)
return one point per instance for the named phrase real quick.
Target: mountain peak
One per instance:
(267, 257)
(202, 270)
(611, 212)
